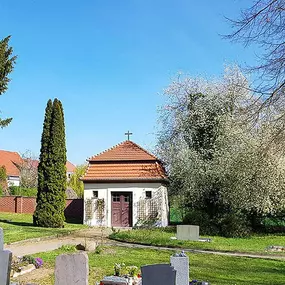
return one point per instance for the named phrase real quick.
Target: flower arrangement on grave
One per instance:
(118, 268)
(38, 262)
(132, 270)
(20, 264)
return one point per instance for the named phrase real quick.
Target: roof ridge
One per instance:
(104, 151)
(126, 142)
(9, 151)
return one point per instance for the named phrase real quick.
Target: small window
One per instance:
(148, 194)
(127, 198)
(116, 198)
(95, 194)
(69, 175)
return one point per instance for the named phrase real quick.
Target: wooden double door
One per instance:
(121, 209)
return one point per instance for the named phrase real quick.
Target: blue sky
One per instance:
(108, 62)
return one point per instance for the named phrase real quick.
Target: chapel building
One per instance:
(125, 186)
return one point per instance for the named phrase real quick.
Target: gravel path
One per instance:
(47, 244)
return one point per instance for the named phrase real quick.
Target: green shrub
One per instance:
(227, 224)
(21, 191)
(234, 224)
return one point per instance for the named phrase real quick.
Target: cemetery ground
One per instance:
(256, 244)
(223, 270)
(216, 269)
(19, 227)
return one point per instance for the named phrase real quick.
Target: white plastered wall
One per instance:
(138, 192)
(13, 181)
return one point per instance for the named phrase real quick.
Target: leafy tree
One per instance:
(3, 180)
(263, 25)
(52, 169)
(28, 170)
(7, 61)
(225, 172)
(75, 183)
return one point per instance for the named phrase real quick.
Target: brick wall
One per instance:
(19, 204)
(8, 204)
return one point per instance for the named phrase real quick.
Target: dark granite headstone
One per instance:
(158, 274)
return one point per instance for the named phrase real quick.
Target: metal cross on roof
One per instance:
(128, 134)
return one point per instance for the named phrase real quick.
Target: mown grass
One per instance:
(20, 227)
(219, 270)
(161, 237)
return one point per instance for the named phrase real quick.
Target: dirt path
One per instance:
(42, 245)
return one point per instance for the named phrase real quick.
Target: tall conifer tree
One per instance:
(52, 169)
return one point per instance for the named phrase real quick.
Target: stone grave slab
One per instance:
(181, 265)
(5, 266)
(158, 274)
(71, 269)
(187, 232)
(114, 280)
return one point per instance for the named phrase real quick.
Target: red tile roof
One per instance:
(70, 167)
(126, 161)
(124, 151)
(10, 160)
(35, 163)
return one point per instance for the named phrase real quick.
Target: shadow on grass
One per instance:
(23, 224)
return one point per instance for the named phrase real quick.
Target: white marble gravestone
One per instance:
(187, 232)
(5, 262)
(71, 269)
(181, 265)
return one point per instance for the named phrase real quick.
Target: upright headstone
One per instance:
(158, 274)
(1, 239)
(71, 269)
(187, 232)
(5, 262)
(181, 265)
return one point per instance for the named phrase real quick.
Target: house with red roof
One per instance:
(11, 160)
(13, 163)
(125, 186)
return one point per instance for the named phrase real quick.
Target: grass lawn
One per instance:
(20, 227)
(215, 269)
(161, 237)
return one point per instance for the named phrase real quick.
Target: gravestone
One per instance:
(158, 274)
(187, 232)
(1, 239)
(181, 265)
(71, 269)
(5, 262)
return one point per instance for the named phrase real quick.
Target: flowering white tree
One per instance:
(218, 163)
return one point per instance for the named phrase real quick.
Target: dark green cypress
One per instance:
(43, 164)
(52, 170)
